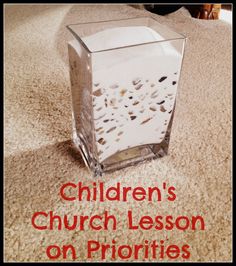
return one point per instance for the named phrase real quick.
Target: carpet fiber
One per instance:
(39, 157)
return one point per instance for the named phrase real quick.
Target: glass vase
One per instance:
(124, 78)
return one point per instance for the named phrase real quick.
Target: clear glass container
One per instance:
(124, 78)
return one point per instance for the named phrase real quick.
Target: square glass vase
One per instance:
(124, 77)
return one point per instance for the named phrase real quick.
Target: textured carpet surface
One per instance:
(39, 157)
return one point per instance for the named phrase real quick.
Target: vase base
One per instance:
(124, 158)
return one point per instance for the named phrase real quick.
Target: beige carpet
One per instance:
(39, 157)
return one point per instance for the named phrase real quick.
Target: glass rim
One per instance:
(78, 38)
